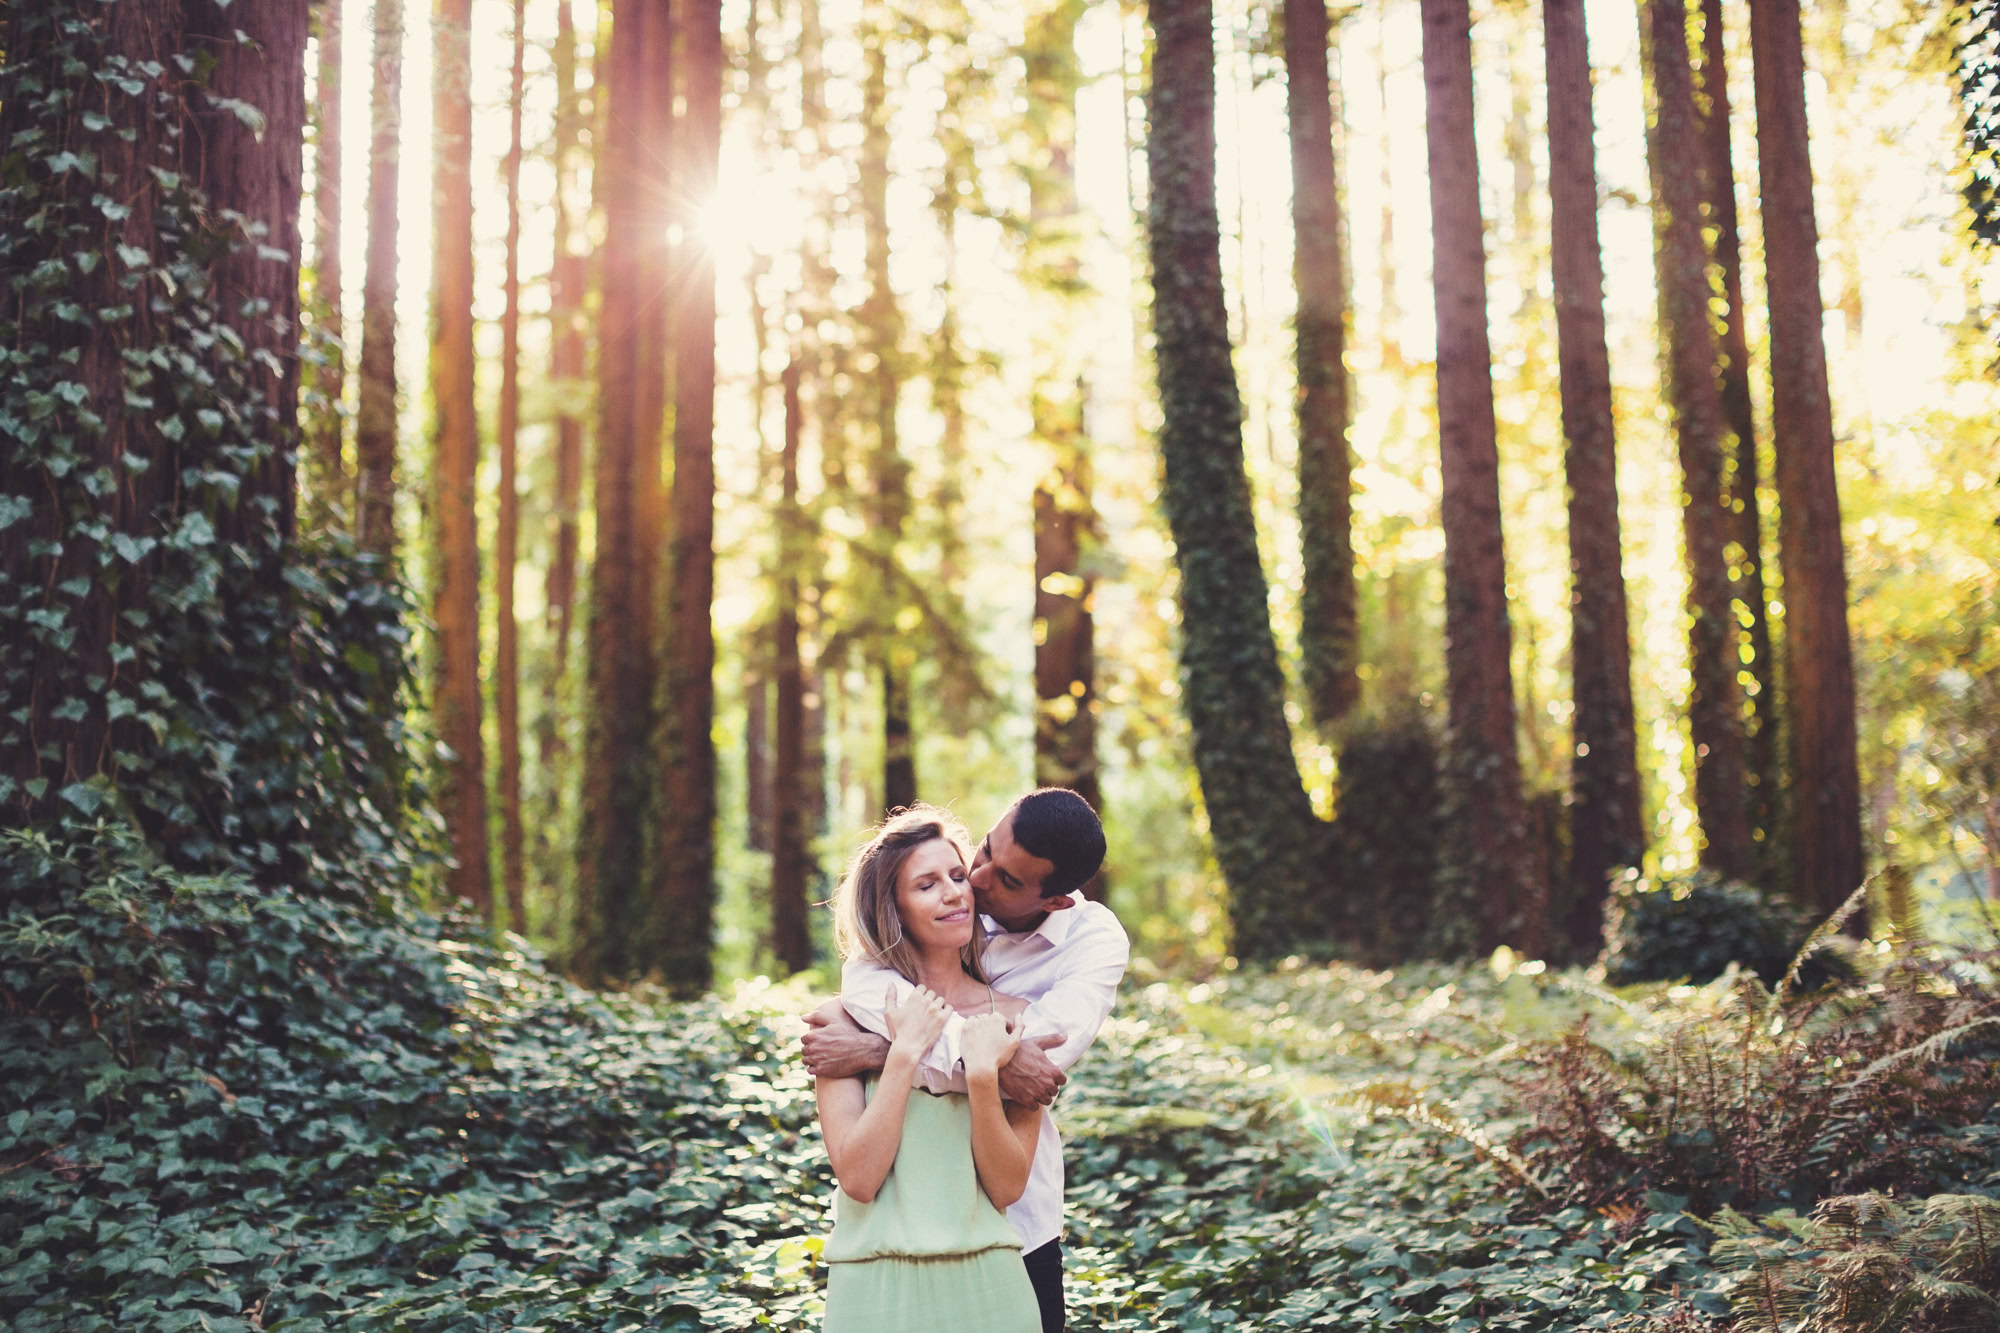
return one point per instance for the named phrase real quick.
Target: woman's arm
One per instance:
(1004, 1135)
(863, 1136)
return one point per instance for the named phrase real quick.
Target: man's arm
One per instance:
(838, 1047)
(851, 1033)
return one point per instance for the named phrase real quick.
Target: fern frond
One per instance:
(1821, 933)
(1398, 1099)
(1928, 1051)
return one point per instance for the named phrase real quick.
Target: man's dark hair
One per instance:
(1059, 826)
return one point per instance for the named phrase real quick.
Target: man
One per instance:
(1046, 943)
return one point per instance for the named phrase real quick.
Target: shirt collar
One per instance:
(1055, 927)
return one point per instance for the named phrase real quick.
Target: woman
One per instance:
(920, 1233)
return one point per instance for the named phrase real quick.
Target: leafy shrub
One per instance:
(1737, 1095)
(1692, 929)
(1866, 1264)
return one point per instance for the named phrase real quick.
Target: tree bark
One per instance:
(1329, 632)
(618, 772)
(791, 940)
(457, 699)
(506, 534)
(1606, 828)
(375, 404)
(1741, 480)
(757, 780)
(888, 470)
(688, 807)
(1265, 837)
(1490, 857)
(568, 283)
(1827, 861)
(1065, 646)
(1676, 147)
(325, 441)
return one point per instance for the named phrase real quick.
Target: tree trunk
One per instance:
(688, 808)
(95, 661)
(1490, 858)
(1265, 837)
(1826, 814)
(791, 939)
(618, 773)
(1391, 313)
(568, 281)
(326, 468)
(1065, 645)
(1740, 483)
(757, 782)
(453, 517)
(506, 535)
(1606, 829)
(375, 405)
(1677, 150)
(1329, 634)
(888, 471)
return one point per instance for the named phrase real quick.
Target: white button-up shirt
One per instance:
(1068, 969)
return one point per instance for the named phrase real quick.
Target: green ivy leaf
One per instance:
(85, 796)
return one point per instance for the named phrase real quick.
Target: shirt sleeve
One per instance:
(1082, 996)
(869, 990)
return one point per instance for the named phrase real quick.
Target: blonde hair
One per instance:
(866, 920)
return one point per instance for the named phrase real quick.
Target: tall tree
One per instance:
(456, 695)
(375, 404)
(1065, 516)
(1827, 859)
(1260, 819)
(568, 279)
(506, 532)
(1677, 152)
(1329, 630)
(326, 441)
(1606, 830)
(790, 938)
(618, 775)
(1742, 478)
(99, 573)
(1489, 856)
(888, 470)
(686, 859)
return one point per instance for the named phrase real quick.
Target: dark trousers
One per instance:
(1045, 1271)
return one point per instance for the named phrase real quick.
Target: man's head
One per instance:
(1038, 855)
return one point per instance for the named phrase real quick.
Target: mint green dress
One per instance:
(931, 1251)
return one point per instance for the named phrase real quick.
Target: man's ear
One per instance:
(1058, 903)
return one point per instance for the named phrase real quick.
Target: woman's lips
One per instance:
(959, 915)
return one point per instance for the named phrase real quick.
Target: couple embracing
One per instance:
(972, 980)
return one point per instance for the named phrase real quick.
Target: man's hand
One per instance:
(1031, 1078)
(837, 1047)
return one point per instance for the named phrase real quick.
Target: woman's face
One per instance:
(934, 898)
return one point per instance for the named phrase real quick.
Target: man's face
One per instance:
(1007, 879)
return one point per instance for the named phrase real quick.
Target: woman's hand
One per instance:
(988, 1042)
(916, 1022)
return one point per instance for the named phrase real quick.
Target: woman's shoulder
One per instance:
(1009, 1006)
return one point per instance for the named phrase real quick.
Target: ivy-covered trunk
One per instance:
(1741, 501)
(1261, 822)
(147, 479)
(685, 865)
(1827, 862)
(375, 400)
(1676, 148)
(507, 525)
(618, 772)
(1606, 828)
(326, 471)
(1329, 631)
(1493, 894)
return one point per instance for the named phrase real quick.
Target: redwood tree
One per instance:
(325, 440)
(453, 523)
(1741, 481)
(1827, 859)
(791, 940)
(1260, 820)
(375, 403)
(686, 855)
(1489, 857)
(1329, 633)
(506, 533)
(568, 280)
(618, 773)
(1606, 829)
(1677, 151)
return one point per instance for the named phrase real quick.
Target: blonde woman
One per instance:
(920, 1228)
